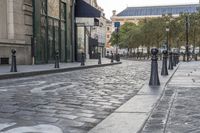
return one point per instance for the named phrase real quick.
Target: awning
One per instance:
(83, 9)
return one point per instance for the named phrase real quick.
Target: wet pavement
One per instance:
(178, 109)
(71, 102)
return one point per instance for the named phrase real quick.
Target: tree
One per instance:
(151, 32)
(121, 36)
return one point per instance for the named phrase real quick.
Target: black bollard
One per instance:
(178, 57)
(160, 56)
(115, 57)
(112, 58)
(14, 62)
(184, 57)
(147, 56)
(164, 71)
(154, 79)
(170, 61)
(99, 57)
(57, 59)
(118, 58)
(174, 59)
(82, 59)
(195, 57)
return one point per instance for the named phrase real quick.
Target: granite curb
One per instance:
(51, 71)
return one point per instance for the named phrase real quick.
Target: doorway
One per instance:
(53, 38)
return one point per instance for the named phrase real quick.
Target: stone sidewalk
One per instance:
(173, 108)
(31, 70)
(178, 109)
(27, 68)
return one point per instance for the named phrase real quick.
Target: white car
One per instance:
(196, 51)
(182, 49)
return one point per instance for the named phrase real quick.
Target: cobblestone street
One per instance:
(71, 102)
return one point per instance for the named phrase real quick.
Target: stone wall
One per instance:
(3, 19)
(16, 29)
(70, 32)
(28, 20)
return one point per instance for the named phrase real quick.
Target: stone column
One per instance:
(3, 19)
(10, 19)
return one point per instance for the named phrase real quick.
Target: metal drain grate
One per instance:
(4, 61)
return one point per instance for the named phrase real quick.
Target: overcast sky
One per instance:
(119, 5)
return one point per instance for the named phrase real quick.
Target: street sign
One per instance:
(117, 30)
(117, 24)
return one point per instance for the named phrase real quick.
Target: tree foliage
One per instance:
(152, 32)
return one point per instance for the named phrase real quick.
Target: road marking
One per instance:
(6, 125)
(34, 129)
(41, 89)
(34, 83)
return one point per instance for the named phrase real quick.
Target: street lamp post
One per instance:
(187, 38)
(167, 30)
(194, 45)
(117, 26)
(169, 48)
(117, 39)
(194, 36)
(198, 9)
(167, 40)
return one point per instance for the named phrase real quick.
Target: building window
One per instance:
(108, 28)
(50, 30)
(53, 8)
(108, 36)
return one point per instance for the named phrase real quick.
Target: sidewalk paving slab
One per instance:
(32, 70)
(131, 117)
(178, 109)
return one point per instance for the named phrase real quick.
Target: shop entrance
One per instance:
(50, 31)
(53, 38)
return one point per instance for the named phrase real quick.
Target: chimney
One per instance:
(114, 12)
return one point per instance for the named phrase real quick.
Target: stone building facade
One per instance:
(135, 14)
(108, 33)
(15, 30)
(90, 29)
(36, 29)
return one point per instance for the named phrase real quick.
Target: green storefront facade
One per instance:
(52, 30)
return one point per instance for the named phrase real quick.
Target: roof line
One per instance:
(162, 5)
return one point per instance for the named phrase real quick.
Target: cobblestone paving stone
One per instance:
(185, 116)
(178, 109)
(72, 102)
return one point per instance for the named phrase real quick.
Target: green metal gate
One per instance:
(49, 30)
